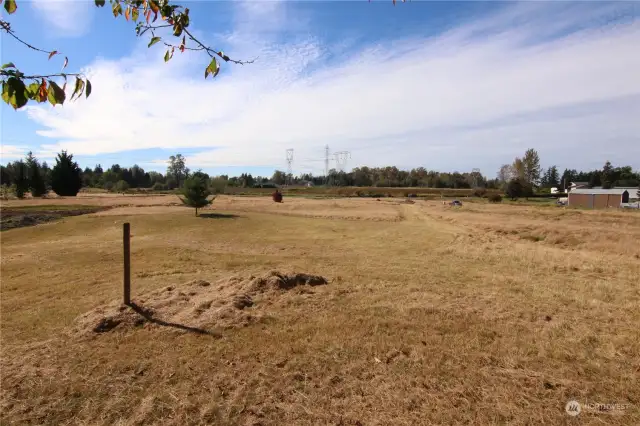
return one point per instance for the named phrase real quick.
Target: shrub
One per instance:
(6, 191)
(108, 186)
(479, 192)
(159, 186)
(277, 196)
(517, 188)
(121, 186)
(495, 198)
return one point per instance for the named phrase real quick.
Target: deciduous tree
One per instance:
(177, 169)
(531, 167)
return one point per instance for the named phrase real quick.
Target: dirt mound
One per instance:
(197, 306)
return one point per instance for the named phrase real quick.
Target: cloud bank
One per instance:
(473, 96)
(66, 18)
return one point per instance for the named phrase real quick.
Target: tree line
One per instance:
(523, 177)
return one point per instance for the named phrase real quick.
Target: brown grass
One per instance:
(432, 315)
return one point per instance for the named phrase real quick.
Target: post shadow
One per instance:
(148, 316)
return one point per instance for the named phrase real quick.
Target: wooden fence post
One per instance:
(126, 238)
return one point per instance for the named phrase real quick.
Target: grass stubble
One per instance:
(486, 314)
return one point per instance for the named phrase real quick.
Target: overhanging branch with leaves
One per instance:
(17, 91)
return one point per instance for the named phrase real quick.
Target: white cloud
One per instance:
(67, 18)
(454, 101)
(12, 152)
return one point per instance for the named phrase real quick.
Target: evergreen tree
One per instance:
(36, 180)
(196, 192)
(594, 180)
(20, 178)
(45, 172)
(607, 177)
(66, 176)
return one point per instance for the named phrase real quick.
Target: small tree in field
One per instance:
(196, 192)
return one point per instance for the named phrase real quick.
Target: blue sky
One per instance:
(442, 85)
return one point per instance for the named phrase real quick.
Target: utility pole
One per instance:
(326, 164)
(289, 167)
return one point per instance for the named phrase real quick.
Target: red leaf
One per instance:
(126, 14)
(42, 92)
(55, 52)
(148, 15)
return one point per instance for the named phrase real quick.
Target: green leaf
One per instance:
(33, 90)
(55, 94)
(100, 3)
(213, 68)
(5, 92)
(153, 41)
(88, 91)
(17, 93)
(167, 55)
(8, 65)
(134, 14)
(117, 9)
(177, 29)
(10, 6)
(77, 90)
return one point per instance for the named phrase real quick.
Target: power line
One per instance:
(341, 159)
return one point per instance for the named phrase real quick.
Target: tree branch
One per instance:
(7, 27)
(38, 77)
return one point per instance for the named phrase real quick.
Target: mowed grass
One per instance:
(432, 315)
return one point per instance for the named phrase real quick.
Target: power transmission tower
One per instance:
(341, 159)
(476, 173)
(289, 167)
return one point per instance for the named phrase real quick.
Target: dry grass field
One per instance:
(485, 314)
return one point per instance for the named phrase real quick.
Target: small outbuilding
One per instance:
(598, 198)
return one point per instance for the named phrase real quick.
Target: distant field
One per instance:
(484, 314)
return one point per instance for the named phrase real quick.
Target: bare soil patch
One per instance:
(12, 218)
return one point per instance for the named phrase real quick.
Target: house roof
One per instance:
(612, 191)
(579, 183)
